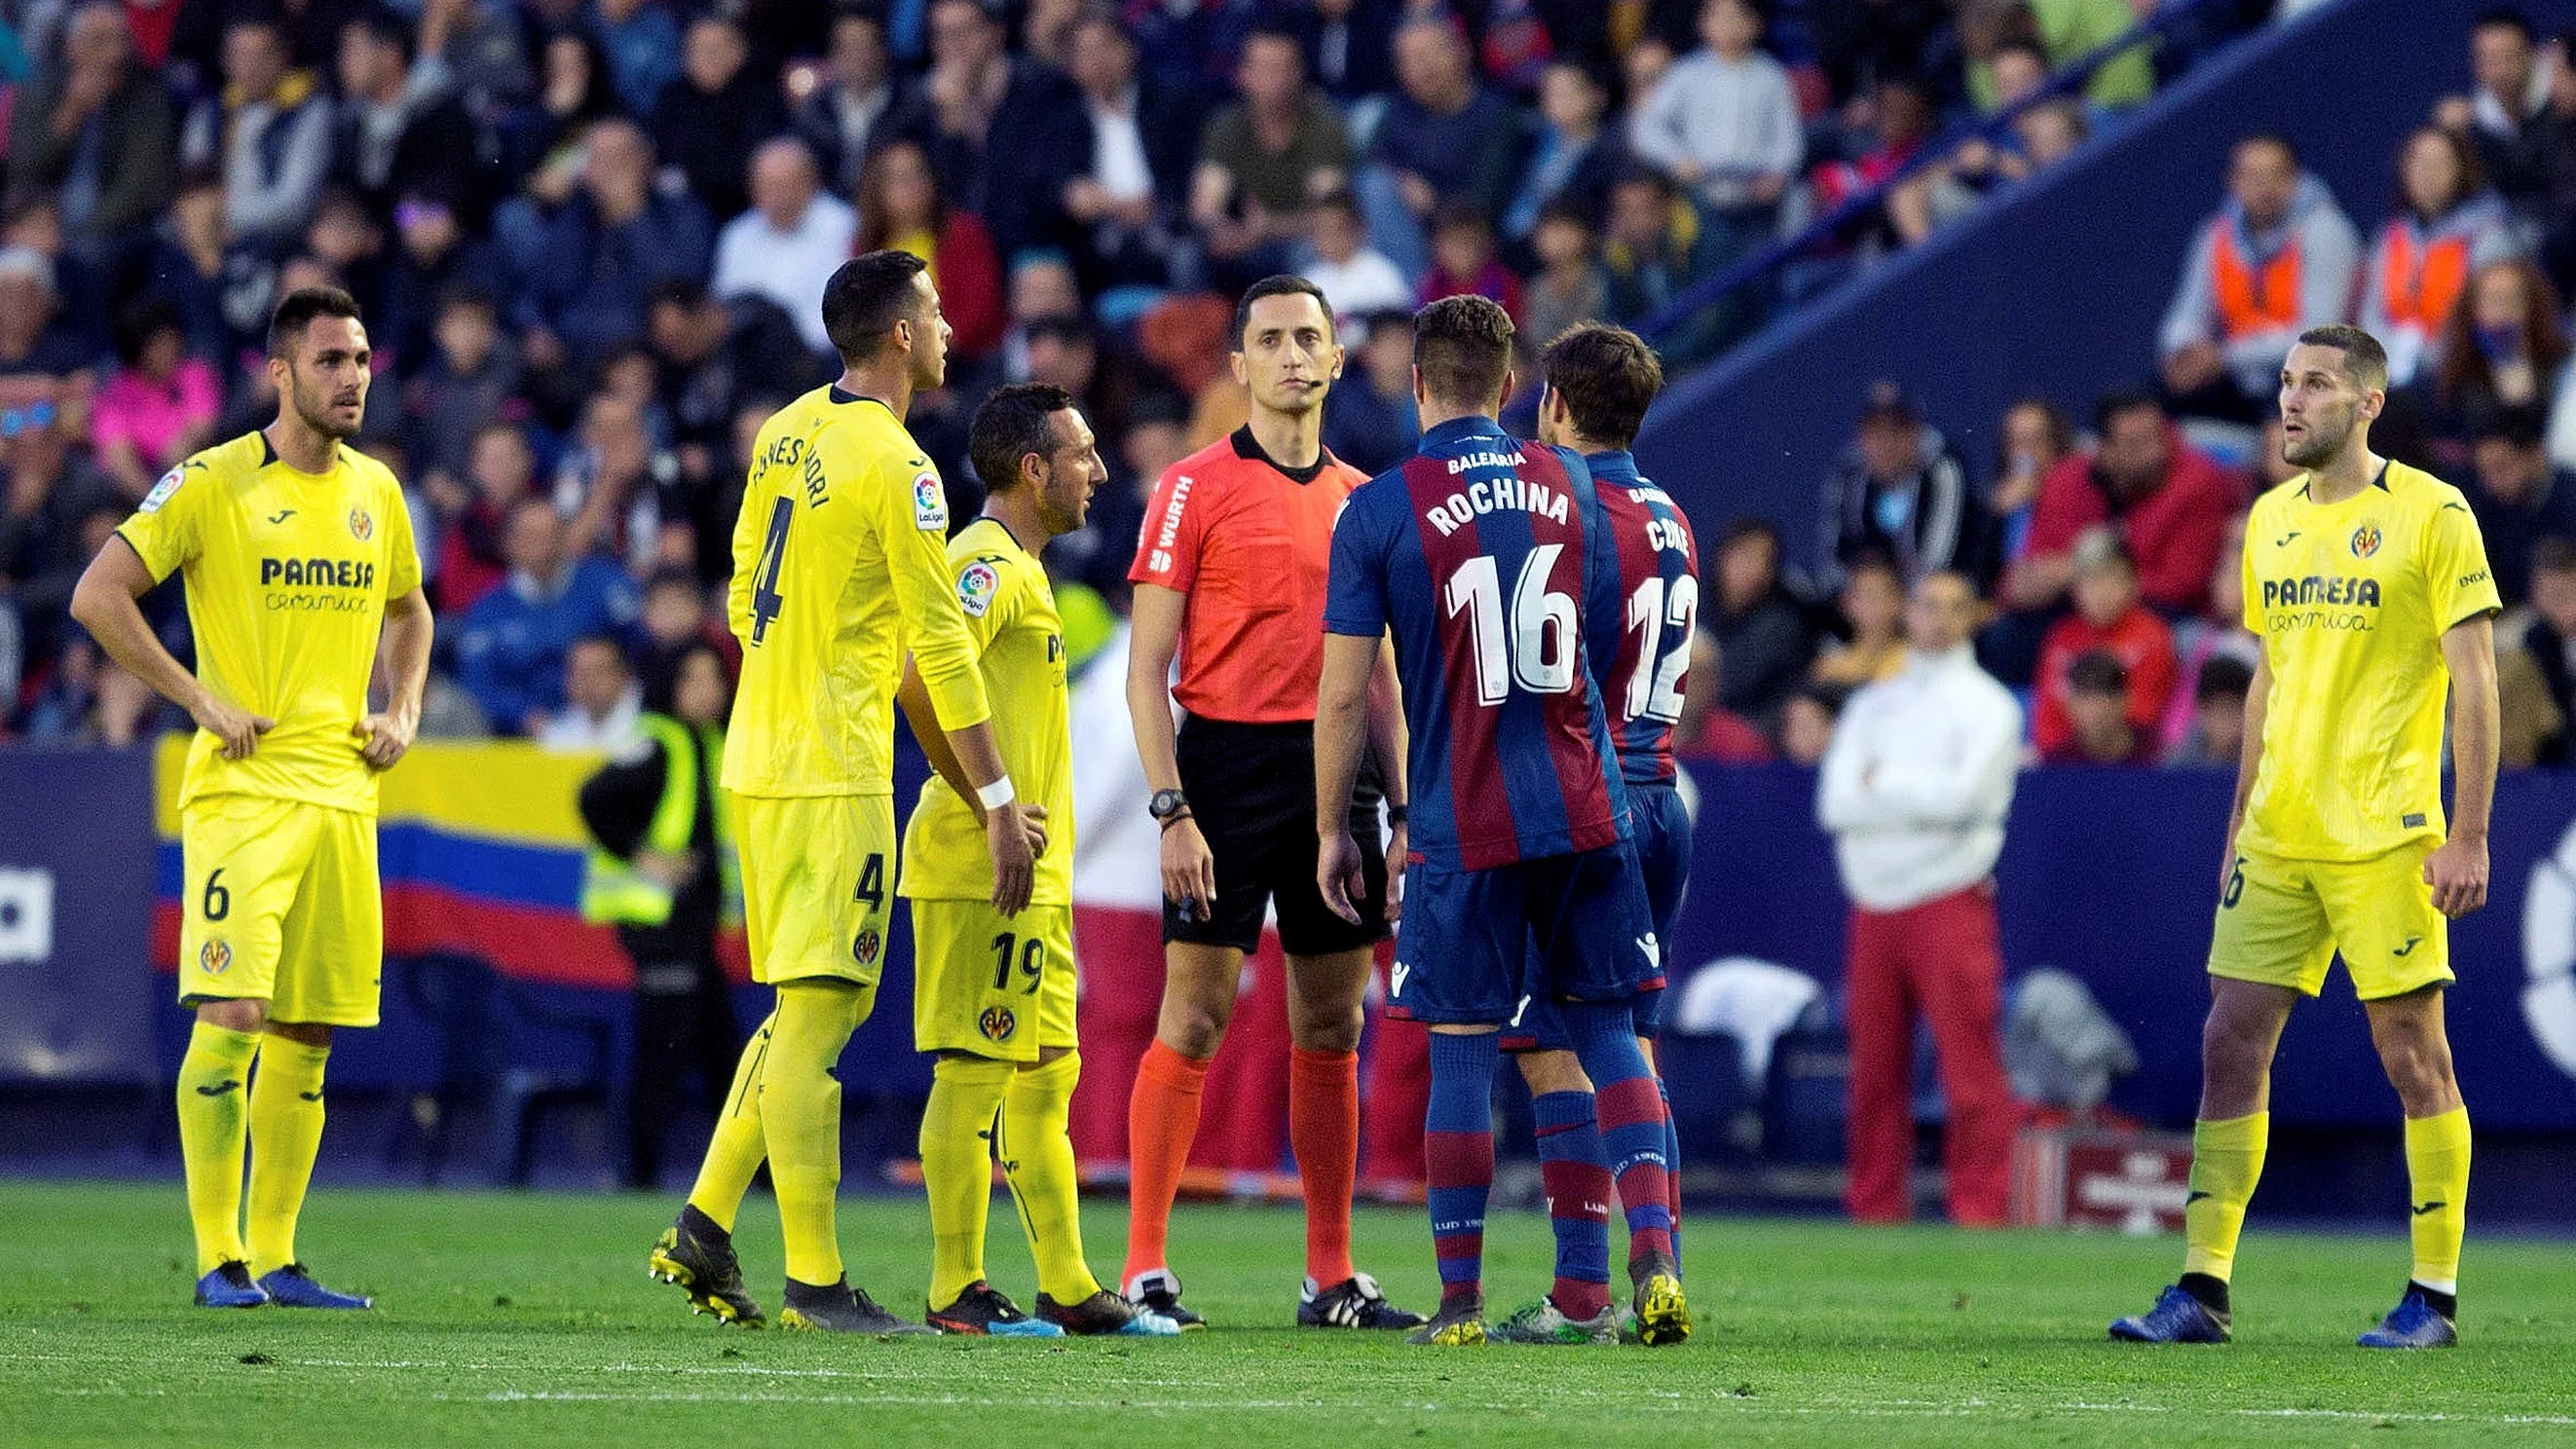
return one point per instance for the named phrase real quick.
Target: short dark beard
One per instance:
(2319, 452)
(323, 424)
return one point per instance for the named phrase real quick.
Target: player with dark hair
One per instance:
(840, 564)
(1599, 381)
(2368, 582)
(992, 993)
(298, 554)
(1497, 570)
(1230, 573)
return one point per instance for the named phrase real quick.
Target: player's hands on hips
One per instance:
(386, 735)
(1006, 834)
(239, 729)
(1189, 870)
(1033, 824)
(1337, 875)
(1397, 843)
(2457, 872)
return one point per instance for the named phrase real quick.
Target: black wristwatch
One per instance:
(1166, 805)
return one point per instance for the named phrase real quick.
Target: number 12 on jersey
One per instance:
(765, 598)
(1538, 649)
(1663, 655)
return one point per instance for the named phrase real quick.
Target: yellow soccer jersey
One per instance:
(1010, 614)
(287, 577)
(2351, 600)
(840, 564)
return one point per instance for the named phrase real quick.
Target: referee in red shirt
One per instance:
(1229, 573)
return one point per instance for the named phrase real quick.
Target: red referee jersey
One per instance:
(1249, 545)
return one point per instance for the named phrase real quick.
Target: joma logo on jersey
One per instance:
(1490, 495)
(2319, 589)
(316, 573)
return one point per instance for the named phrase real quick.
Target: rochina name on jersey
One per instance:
(1487, 495)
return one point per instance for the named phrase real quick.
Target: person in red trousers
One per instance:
(1915, 788)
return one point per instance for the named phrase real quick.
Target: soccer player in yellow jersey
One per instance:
(840, 563)
(992, 992)
(2368, 583)
(298, 556)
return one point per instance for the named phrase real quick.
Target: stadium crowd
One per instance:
(591, 237)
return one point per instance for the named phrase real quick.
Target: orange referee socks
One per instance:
(1324, 1132)
(1162, 1122)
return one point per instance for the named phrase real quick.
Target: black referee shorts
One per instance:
(1251, 789)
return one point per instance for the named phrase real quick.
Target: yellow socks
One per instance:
(800, 1110)
(214, 1090)
(957, 1167)
(2437, 1164)
(735, 1151)
(2226, 1160)
(285, 1133)
(1037, 1150)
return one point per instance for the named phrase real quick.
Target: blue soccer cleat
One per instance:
(229, 1286)
(984, 1311)
(2177, 1318)
(292, 1287)
(2413, 1323)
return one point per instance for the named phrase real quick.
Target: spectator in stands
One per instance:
(1349, 47)
(2277, 259)
(601, 700)
(1655, 250)
(2217, 632)
(1899, 492)
(1724, 124)
(677, 618)
(1445, 138)
(1574, 153)
(398, 126)
(472, 374)
(1914, 790)
(190, 265)
(2517, 493)
(2518, 134)
(713, 355)
(1762, 635)
(1369, 419)
(860, 101)
(1006, 130)
(1871, 606)
(269, 129)
(1569, 286)
(2446, 226)
(1807, 721)
(95, 133)
(582, 269)
(1861, 42)
(708, 122)
(641, 41)
(901, 204)
(1139, 137)
(479, 50)
(433, 256)
(512, 645)
(2074, 29)
(619, 487)
(466, 558)
(1902, 116)
(2216, 736)
(41, 358)
(2505, 346)
(159, 405)
(1955, 187)
(1463, 260)
(2099, 716)
(790, 241)
(1265, 159)
(576, 89)
(51, 493)
(89, 699)
(2004, 58)
(1356, 277)
(2108, 619)
(1706, 729)
(2168, 501)
(2035, 437)
(2536, 677)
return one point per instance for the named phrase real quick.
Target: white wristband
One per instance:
(995, 795)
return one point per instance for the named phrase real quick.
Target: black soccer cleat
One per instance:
(985, 1311)
(1106, 1314)
(1355, 1302)
(1159, 1291)
(704, 1264)
(841, 1308)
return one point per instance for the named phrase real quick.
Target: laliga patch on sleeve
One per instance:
(162, 490)
(929, 503)
(976, 587)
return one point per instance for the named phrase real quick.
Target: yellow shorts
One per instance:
(280, 903)
(2281, 922)
(991, 985)
(817, 876)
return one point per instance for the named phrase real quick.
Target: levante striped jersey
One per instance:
(1658, 609)
(1493, 563)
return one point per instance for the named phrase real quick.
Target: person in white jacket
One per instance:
(1915, 789)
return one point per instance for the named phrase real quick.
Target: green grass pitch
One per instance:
(527, 1320)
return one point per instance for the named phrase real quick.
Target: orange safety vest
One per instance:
(2251, 299)
(2420, 284)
